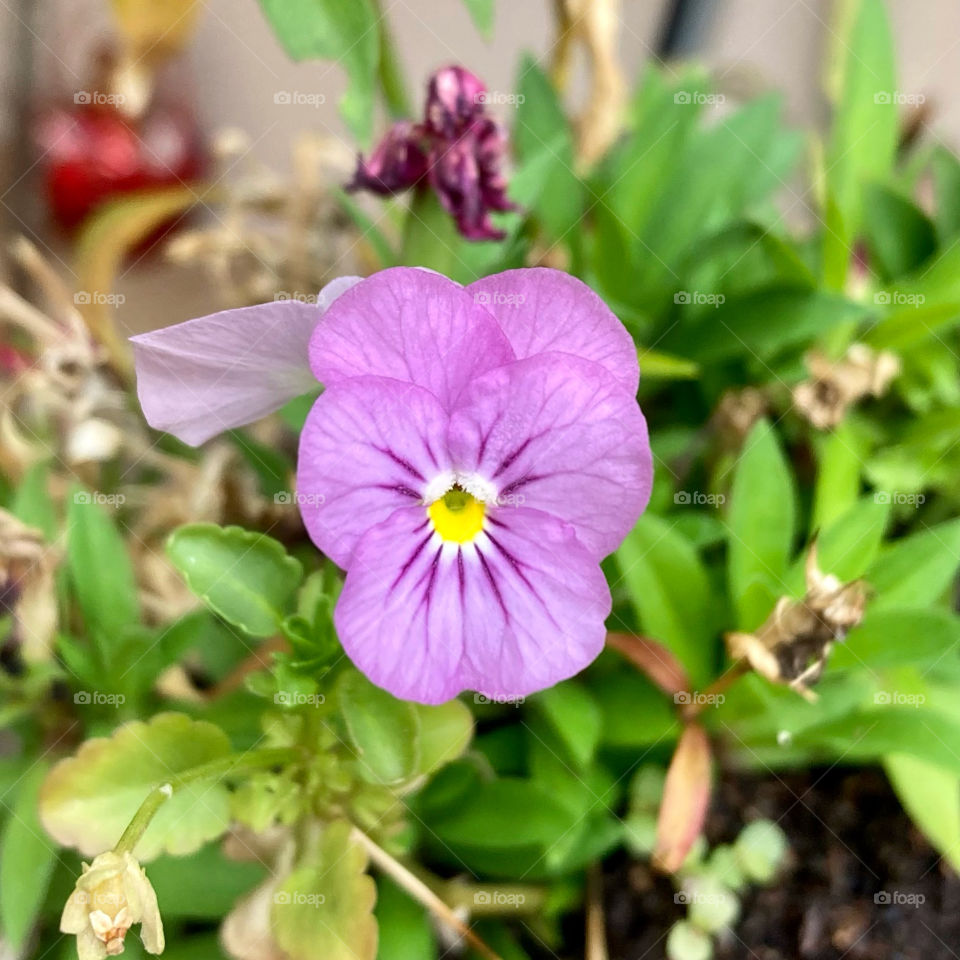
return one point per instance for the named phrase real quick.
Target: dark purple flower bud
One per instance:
(467, 178)
(455, 98)
(397, 162)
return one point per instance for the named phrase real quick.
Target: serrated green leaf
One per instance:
(761, 519)
(246, 578)
(88, 799)
(324, 908)
(384, 730)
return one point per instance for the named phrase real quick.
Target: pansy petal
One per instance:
(520, 608)
(199, 378)
(558, 434)
(540, 310)
(369, 446)
(408, 324)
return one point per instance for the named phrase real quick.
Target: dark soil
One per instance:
(862, 883)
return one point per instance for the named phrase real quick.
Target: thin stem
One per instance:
(390, 75)
(420, 891)
(691, 711)
(219, 769)
(596, 935)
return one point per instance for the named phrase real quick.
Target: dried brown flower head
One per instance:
(793, 644)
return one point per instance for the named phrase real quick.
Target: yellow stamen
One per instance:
(457, 515)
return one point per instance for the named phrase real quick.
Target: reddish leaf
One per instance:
(652, 659)
(686, 795)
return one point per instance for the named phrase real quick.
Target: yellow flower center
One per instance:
(457, 515)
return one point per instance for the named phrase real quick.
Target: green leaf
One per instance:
(761, 519)
(918, 569)
(27, 859)
(573, 714)
(325, 907)
(840, 456)
(899, 235)
(32, 503)
(668, 587)
(405, 929)
(540, 121)
(445, 732)
(931, 796)
(246, 578)
(864, 137)
(385, 731)
(368, 229)
(664, 366)
(849, 545)
(100, 568)
(869, 735)
(88, 799)
(765, 323)
(481, 12)
(946, 179)
(635, 712)
(899, 637)
(344, 30)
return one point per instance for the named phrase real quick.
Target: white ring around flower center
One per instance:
(472, 483)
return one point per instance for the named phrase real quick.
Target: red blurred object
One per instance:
(92, 152)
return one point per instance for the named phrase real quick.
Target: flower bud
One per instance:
(111, 895)
(455, 97)
(398, 162)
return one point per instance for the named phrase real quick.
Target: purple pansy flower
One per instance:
(475, 453)
(457, 149)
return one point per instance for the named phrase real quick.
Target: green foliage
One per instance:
(246, 578)
(343, 30)
(88, 799)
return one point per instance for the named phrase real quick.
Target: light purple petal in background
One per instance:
(560, 435)
(369, 446)
(519, 609)
(408, 324)
(199, 378)
(540, 309)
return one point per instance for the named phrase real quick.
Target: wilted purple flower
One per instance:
(457, 149)
(475, 453)
(397, 162)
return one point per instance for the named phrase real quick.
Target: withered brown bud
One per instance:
(833, 388)
(793, 644)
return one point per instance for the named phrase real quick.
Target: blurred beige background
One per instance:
(236, 68)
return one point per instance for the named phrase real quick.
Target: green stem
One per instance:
(224, 767)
